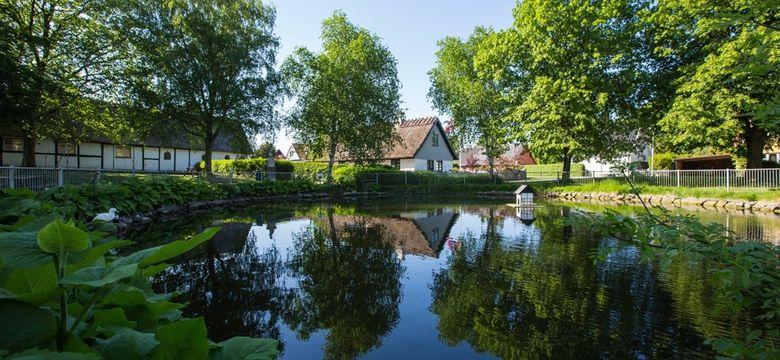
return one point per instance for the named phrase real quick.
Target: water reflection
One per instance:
(438, 281)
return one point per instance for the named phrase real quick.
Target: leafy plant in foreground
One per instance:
(64, 293)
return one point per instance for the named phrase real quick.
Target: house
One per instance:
(297, 152)
(423, 146)
(515, 156)
(100, 153)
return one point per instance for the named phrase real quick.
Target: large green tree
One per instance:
(58, 65)
(474, 100)
(727, 58)
(204, 66)
(347, 99)
(571, 72)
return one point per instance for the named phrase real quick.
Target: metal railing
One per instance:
(43, 178)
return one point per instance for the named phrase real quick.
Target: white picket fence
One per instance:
(714, 178)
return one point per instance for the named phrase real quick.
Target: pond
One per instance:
(441, 280)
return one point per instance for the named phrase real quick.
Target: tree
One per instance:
(727, 89)
(58, 61)
(474, 101)
(265, 150)
(347, 96)
(571, 72)
(205, 66)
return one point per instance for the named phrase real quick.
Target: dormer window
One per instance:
(435, 139)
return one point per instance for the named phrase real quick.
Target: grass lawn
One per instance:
(615, 186)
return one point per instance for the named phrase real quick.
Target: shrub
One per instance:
(664, 161)
(246, 165)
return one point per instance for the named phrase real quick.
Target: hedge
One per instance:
(549, 169)
(248, 165)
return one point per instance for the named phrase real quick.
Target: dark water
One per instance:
(437, 281)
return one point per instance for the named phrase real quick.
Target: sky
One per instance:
(409, 28)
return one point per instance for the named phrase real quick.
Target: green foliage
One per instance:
(46, 49)
(347, 96)
(135, 195)
(203, 67)
(246, 165)
(552, 169)
(744, 274)
(573, 84)
(97, 304)
(724, 57)
(664, 161)
(472, 98)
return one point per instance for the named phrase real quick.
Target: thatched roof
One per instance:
(412, 134)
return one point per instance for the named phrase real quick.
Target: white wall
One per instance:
(429, 152)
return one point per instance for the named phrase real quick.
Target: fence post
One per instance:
(97, 176)
(406, 182)
(60, 177)
(12, 177)
(678, 177)
(377, 178)
(230, 179)
(727, 179)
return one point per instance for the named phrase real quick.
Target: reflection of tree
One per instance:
(349, 283)
(551, 301)
(230, 284)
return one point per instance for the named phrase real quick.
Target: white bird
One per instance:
(107, 217)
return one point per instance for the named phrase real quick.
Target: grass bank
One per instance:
(620, 187)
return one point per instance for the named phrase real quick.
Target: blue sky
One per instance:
(409, 28)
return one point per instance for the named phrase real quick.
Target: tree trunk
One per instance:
(566, 172)
(28, 156)
(209, 142)
(331, 158)
(755, 141)
(491, 165)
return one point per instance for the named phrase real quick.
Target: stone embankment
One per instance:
(670, 201)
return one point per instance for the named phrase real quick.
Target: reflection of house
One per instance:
(417, 233)
(423, 145)
(516, 156)
(152, 154)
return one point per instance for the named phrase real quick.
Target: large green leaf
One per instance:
(95, 253)
(97, 276)
(20, 250)
(246, 348)
(59, 237)
(184, 339)
(111, 317)
(25, 326)
(33, 285)
(126, 344)
(168, 251)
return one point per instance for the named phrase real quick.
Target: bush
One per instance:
(550, 169)
(142, 194)
(664, 161)
(246, 165)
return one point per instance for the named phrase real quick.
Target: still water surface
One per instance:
(450, 280)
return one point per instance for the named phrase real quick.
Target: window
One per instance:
(430, 165)
(227, 157)
(773, 157)
(13, 144)
(435, 139)
(440, 166)
(167, 155)
(396, 163)
(122, 152)
(66, 148)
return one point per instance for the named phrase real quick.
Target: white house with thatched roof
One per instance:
(423, 146)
